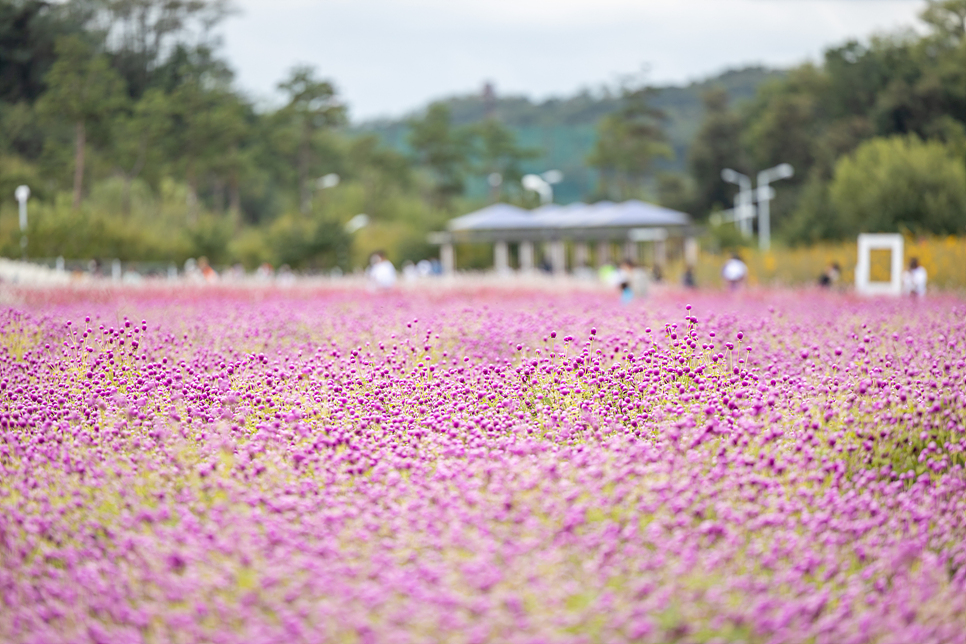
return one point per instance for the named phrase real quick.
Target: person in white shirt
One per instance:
(914, 279)
(381, 270)
(734, 272)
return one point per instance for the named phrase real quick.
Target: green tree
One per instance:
(444, 150)
(497, 152)
(204, 120)
(715, 148)
(382, 171)
(900, 183)
(29, 30)
(947, 18)
(312, 108)
(83, 90)
(629, 140)
(136, 139)
(140, 34)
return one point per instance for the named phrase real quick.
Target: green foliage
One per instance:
(444, 150)
(563, 130)
(84, 91)
(497, 152)
(317, 243)
(715, 147)
(628, 142)
(894, 85)
(28, 31)
(170, 160)
(675, 191)
(312, 108)
(900, 183)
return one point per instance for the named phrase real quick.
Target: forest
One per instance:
(124, 119)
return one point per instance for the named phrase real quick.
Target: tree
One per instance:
(629, 140)
(136, 139)
(82, 89)
(715, 148)
(497, 152)
(202, 129)
(891, 184)
(29, 30)
(140, 33)
(947, 19)
(442, 149)
(381, 170)
(312, 107)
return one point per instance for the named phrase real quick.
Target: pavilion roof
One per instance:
(602, 220)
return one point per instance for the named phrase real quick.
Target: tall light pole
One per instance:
(22, 193)
(765, 195)
(743, 206)
(542, 184)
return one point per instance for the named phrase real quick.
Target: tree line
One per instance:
(876, 134)
(126, 124)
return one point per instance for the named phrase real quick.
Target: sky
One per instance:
(390, 57)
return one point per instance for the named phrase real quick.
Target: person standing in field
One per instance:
(734, 272)
(914, 279)
(381, 270)
(831, 276)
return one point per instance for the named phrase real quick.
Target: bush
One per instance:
(900, 183)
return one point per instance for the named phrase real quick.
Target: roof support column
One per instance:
(581, 255)
(501, 258)
(690, 251)
(526, 257)
(447, 257)
(558, 257)
(603, 253)
(660, 253)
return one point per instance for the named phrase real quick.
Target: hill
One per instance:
(563, 129)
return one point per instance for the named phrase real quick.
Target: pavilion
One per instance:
(577, 226)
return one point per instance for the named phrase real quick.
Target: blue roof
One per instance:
(499, 216)
(572, 217)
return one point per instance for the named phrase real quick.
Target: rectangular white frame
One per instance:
(879, 241)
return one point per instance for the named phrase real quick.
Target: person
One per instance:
(381, 270)
(914, 279)
(734, 272)
(623, 278)
(688, 279)
(208, 274)
(409, 271)
(608, 274)
(831, 276)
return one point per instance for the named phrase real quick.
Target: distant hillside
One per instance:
(564, 128)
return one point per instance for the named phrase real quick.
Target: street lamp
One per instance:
(765, 195)
(536, 183)
(542, 184)
(22, 193)
(330, 180)
(743, 207)
(357, 223)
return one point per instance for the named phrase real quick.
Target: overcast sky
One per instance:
(388, 57)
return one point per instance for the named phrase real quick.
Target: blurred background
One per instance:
(257, 132)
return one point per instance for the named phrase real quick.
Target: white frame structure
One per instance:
(879, 241)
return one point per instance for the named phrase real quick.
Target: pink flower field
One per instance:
(223, 466)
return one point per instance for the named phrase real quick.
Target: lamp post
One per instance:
(327, 181)
(743, 207)
(536, 183)
(765, 195)
(542, 184)
(22, 193)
